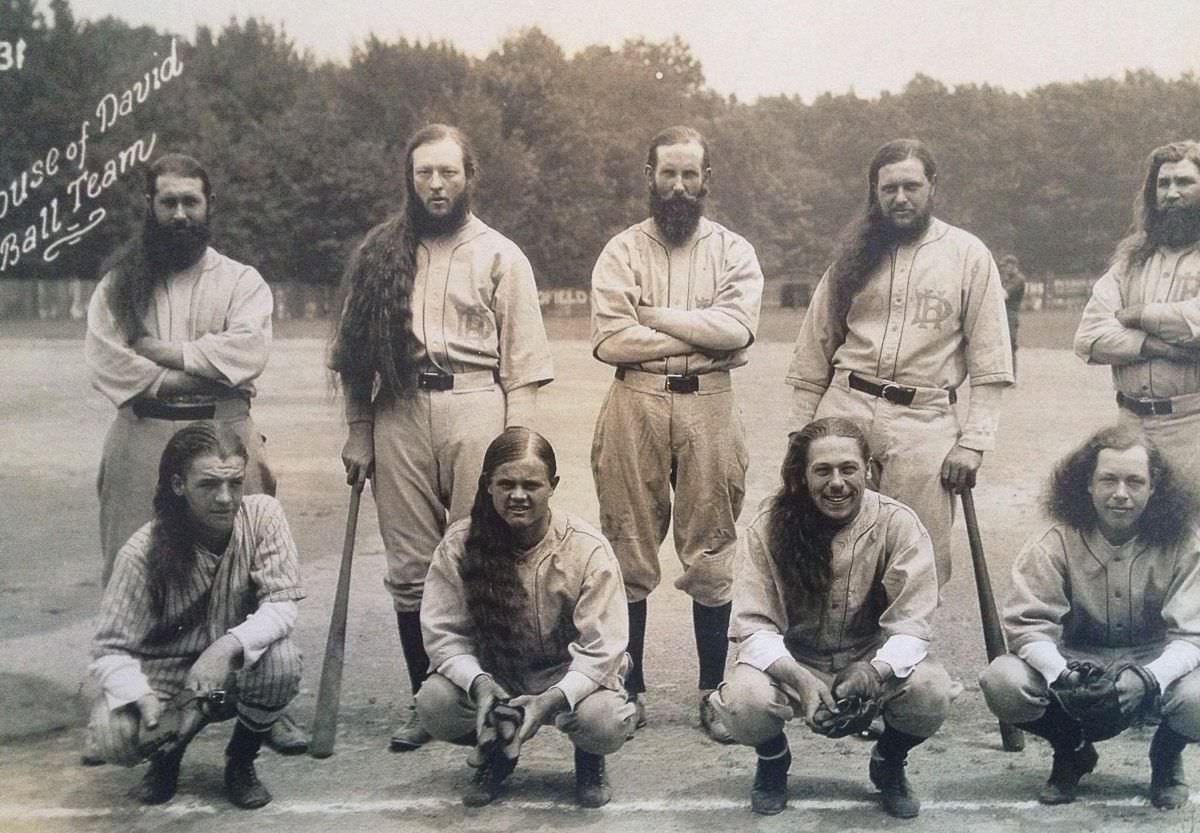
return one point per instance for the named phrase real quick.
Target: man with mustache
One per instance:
(177, 332)
(675, 303)
(440, 347)
(910, 309)
(1143, 318)
(1112, 582)
(833, 601)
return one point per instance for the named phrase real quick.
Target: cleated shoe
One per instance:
(1168, 784)
(242, 784)
(286, 738)
(711, 722)
(591, 781)
(1065, 772)
(888, 776)
(768, 796)
(488, 781)
(410, 734)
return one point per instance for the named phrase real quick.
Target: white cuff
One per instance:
(903, 653)
(1176, 660)
(263, 628)
(575, 685)
(761, 648)
(1044, 657)
(461, 670)
(121, 679)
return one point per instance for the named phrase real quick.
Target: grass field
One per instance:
(670, 777)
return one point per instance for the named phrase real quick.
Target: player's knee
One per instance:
(924, 702)
(274, 680)
(599, 723)
(1009, 690)
(1181, 705)
(750, 706)
(443, 709)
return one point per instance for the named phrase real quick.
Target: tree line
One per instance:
(306, 155)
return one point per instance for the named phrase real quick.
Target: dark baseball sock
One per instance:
(409, 623)
(1063, 732)
(711, 628)
(245, 742)
(894, 745)
(1167, 742)
(635, 683)
(773, 748)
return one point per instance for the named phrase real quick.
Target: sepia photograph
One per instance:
(608, 416)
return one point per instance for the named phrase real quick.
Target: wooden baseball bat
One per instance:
(1012, 738)
(329, 695)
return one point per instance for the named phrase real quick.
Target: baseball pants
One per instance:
(1017, 693)
(1176, 434)
(650, 441)
(755, 709)
(129, 469)
(429, 451)
(909, 442)
(598, 724)
(262, 691)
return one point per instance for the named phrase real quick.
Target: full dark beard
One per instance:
(428, 225)
(1175, 227)
(896, 234)
(173, 248)
(677, 216)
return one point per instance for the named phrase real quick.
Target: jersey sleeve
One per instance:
(117, 371)
(1100, 338)
(238, 353)
(524, 348)
(275, 563)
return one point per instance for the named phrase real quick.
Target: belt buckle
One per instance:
(893, 393)
(430, 380)
(678, 383)
(1160, 407)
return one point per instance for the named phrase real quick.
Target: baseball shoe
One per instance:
(888, 776)
(410, 734)
(768, 796)
(1168, 784)
(242, 784)
(488, 781)
(161, 778)
(286, 738)
(639, 707)
(591, 781)
(711, 722)
(90, 756)
(1065, 772)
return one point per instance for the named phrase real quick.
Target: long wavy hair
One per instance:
(868, 237)
(1170, 514)
(496, 599)
(1139, 244)
(374, 338)
(799, 535)
(134, 274)
(173, 536)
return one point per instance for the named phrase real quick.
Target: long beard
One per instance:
(173, 248)
(677, 216)
(1175, 227)
(896, 234)
(428, 225)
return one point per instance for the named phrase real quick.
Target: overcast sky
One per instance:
(756, 47)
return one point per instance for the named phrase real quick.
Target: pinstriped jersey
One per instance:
(260, 564)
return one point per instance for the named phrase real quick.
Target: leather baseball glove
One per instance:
(850, 716)
(1088, 693)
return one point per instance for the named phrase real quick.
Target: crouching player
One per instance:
(833, 595)
(1103, 620)
(525, 624)
(195, 624)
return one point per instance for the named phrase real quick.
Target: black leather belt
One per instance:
(896, 394)
(1144, 407)
(674, 382)
(154, 409)
(428, 380)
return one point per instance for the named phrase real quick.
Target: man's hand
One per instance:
(959, 467)
(165, 353)
(210, 669)
(540, 709)
(801, 685)
(1155, 348)
(178, 383)
(858, 679)
(358, 454)
(150, 710)
(648, 316)
(1131, 691)
(1131, 316)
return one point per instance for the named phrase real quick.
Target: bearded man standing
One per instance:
(1143, 318)
(675, 304)
(910, 308)
(176, 332)
(440, 348)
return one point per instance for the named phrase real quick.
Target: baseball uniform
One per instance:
(476, 315)
(674, 320)
(219, 310)
(577, 627)
(1161, 396)
(880, 605)
(249, 590)
(930, 315)
(1076, 596)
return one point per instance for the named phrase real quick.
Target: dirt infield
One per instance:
(669, 778)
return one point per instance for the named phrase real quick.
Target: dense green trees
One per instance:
(305, 156)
